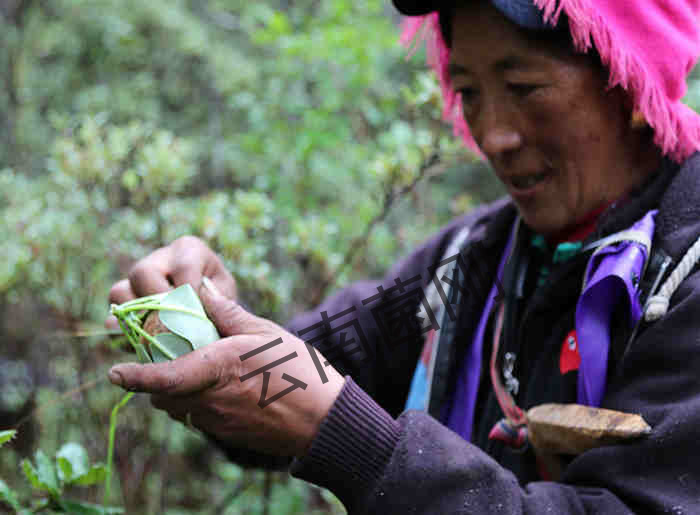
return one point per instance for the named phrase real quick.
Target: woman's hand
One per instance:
(185, 260)
(216, 389)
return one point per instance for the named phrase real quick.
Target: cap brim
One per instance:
(416, 7)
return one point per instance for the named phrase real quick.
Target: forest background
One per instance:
(294, 136)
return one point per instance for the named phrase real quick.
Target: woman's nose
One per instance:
(500, 140)
(496, 130)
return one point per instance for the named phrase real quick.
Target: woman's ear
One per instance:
(634, 118)
(637, 120)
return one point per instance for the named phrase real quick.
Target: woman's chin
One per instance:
(543, 221)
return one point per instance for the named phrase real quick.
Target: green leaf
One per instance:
(84, 508)
(65, 470)
(141, 353)
(172, 343)
(198, 331)
(6, 436)
(31, 474)
(185, 296)
(46, 473)
(72, 461)
(43, 476)
(8, 496)
(94, 475)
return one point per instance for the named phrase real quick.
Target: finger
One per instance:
(150, 275)
(188, 257)
(221, 277)
(121, 292)
(188, 374)
(186, 269)
(223, 283)
(192, 259)
(229, 317)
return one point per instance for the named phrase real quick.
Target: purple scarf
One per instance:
(611, 279)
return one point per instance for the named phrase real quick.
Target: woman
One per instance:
(576, 106)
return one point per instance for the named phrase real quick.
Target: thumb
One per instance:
(188, 374)
(229, 317)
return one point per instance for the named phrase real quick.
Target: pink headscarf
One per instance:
(649, 46)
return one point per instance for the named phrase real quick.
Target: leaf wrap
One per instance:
(180, 325)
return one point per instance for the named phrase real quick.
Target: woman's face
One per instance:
(556, 136)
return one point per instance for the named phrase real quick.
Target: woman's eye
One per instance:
(467, 94)
(522, 89)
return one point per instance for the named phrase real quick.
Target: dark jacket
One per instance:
(377, 459)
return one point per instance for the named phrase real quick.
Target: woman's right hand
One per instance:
(185, 260)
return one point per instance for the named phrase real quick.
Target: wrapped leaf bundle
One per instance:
(167, 325)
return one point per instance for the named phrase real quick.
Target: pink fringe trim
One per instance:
(676, 126)
(417, 29)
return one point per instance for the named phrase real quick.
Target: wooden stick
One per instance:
(571, 429)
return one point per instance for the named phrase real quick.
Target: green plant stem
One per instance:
(158, 307)
(137, 329)
(127, 333)
(110, 446)
(140, 300)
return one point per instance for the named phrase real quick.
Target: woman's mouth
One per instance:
(527, 184)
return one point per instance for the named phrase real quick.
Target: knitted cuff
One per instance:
(354, 443)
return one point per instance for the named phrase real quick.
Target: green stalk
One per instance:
(159, 307)
(110, 446)
(136, 328)
(127, 333)
(140, 300)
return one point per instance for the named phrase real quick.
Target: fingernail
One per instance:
(115, 377)
(209, 285)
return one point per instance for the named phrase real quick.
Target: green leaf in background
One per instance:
(173, 343)
(198, 331)
(72, 461)
(32, 475)
(6, 436)
(8, 496)
(84, 508)
(43, 476)
(94, 475)
(46, 472)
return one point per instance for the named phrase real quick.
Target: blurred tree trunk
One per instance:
(13, 12)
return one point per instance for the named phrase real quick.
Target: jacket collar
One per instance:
(678, 221)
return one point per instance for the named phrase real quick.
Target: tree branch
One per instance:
(359, 243)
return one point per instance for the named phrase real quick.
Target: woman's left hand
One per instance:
(218, 388)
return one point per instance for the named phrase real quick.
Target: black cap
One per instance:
(521, 12)
(416, 7)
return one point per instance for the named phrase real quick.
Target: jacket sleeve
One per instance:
(377, 464)
(383, 370)
(385, 366)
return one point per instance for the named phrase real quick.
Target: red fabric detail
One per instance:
(514, 437)
(427, 348)
(569, 358)
(542, 469)
(578, 231)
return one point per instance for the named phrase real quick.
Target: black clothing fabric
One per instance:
(380, 460)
